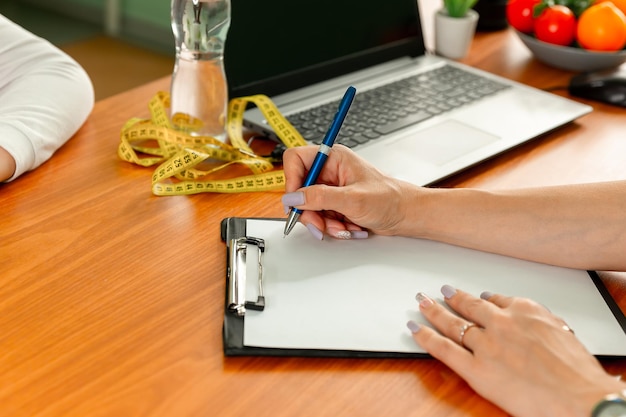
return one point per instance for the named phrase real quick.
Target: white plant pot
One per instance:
(453, 35)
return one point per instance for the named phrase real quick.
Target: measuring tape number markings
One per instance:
(181, 154)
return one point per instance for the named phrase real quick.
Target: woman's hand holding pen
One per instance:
(350, 195)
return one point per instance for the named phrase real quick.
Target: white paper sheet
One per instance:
(359, 294)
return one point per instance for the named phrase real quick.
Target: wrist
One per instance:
(584, 402)
(611, 405)
(431, 214)
(411, 210)
(7, 165)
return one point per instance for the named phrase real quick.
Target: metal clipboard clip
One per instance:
(237, 275)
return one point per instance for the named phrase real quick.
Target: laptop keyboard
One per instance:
(393, 106)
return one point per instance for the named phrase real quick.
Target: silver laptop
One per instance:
(416, 116)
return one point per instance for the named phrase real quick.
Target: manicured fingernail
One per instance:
(413, 327)
(293, 199)
(448, 291)
(343, 234)
(424, 300)
(485, 295)
(359, 234)
(347, 234)
(339, 233)
(317, 233)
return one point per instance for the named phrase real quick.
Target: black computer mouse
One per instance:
(607, 86)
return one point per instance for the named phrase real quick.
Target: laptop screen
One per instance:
(280, 45)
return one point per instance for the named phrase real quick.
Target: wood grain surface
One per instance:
(111, 299)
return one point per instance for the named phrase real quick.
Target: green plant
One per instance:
(458, 8)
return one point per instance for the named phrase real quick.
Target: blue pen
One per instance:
(322, 153)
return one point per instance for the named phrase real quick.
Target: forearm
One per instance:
(45, 96)
(577, 226)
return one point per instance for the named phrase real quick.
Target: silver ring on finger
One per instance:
(464, 330)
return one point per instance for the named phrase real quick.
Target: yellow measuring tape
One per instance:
(186, 161)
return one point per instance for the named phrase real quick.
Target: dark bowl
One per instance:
(572, 58)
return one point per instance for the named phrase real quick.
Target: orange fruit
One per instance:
(620, 4)
(602, 27)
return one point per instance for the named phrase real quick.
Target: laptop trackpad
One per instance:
(443, 142)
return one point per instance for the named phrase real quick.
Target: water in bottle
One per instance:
(199, 91)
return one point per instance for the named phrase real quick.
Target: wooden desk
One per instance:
(111, 299)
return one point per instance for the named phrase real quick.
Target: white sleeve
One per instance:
(45, 96)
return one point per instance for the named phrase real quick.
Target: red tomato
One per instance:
(519, 14)
(557, 25)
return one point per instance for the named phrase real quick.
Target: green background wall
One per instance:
(144, 22)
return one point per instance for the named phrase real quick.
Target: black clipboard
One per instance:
(232, 229)
(234, 235)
